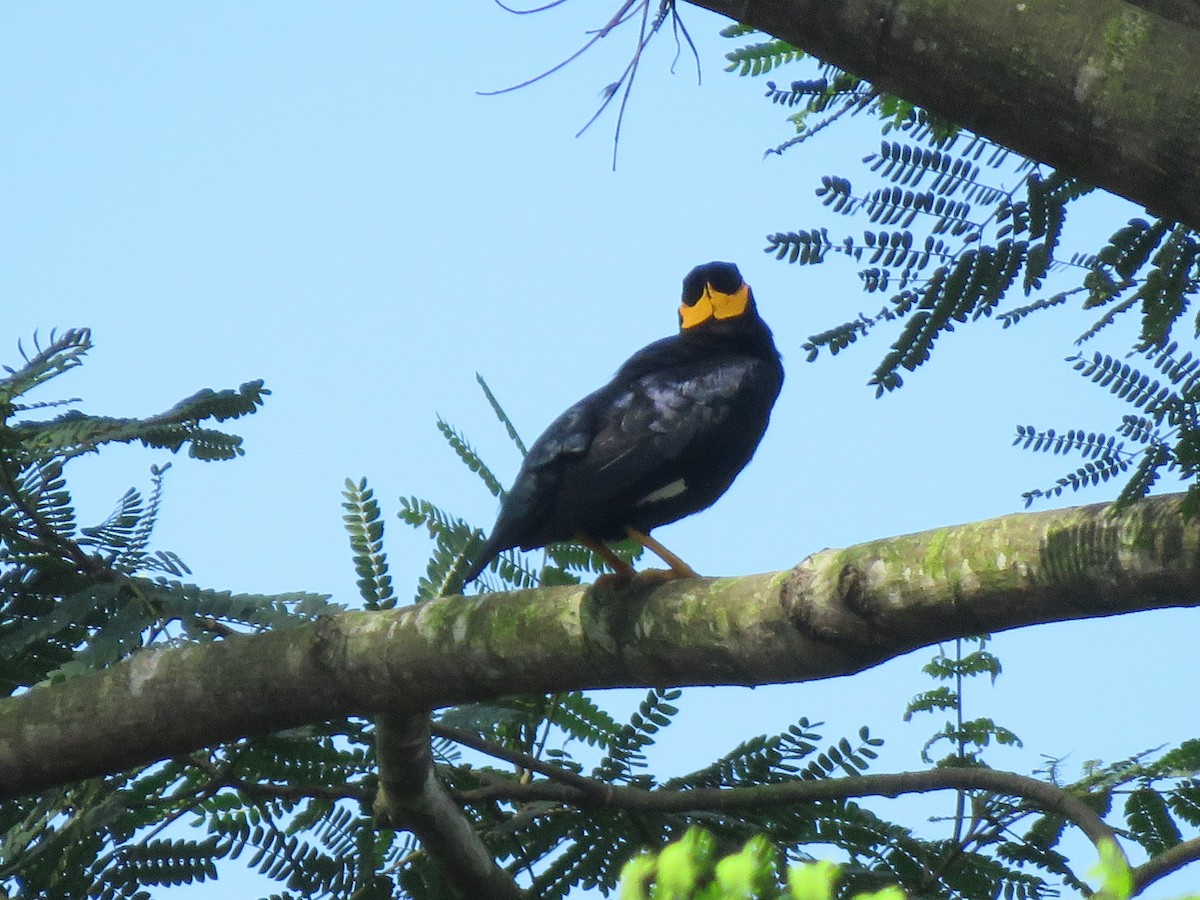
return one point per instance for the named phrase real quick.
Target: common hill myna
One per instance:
(664, 439)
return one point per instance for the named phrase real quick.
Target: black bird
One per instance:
(664, 439)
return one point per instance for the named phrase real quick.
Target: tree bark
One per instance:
(837, 612)
(1103, 89)
(411, 797)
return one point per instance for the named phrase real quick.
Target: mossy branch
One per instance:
(837, 612)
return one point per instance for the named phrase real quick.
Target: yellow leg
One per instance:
(678, 566)
(622, 570)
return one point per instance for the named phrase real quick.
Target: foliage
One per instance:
(961, 230)
(297, 806)
(997, 846)
(956, 229)
(75, 598)
(688, 869)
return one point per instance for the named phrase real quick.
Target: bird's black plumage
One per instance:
(662, 440)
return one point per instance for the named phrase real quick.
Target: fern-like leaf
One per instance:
(1150, 821)
(1149, 467)
(469, 457)
(64, 352)
(804, 248)
(364, 523)
(758, 59)
(501, 415)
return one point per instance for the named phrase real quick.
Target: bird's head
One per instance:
(713, 292)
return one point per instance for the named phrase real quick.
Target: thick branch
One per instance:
(1103, 89)
(411, 797)
(837, 612)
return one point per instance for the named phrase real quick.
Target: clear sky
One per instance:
(315, 194)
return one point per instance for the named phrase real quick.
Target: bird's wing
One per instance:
(660, 417)
(621, 439)
(532, 495)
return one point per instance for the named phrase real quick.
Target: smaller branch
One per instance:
(213, 626)
(588, 786)
(412, 798)
(258, 790)
(1046, 796)
(1163, 864)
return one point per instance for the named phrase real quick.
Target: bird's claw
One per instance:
(647, 578)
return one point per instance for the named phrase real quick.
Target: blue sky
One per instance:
(316, 195)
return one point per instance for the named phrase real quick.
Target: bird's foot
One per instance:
(615, 581)
(655, 577)
(647, 578)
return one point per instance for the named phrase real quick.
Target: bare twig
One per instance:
(624, 84)
(526, 12)
(603, 32)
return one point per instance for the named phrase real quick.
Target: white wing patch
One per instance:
(666, 492)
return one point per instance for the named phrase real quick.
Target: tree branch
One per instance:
(837, 612)
(219, 778)
(1103, 89)
(579, 782)
(1046, 796)
(1163, 864)
(412, 798)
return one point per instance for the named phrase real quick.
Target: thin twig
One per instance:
(574, 56)
(260, 791)
(526, 12)
(587, 786)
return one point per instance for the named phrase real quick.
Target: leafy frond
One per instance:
(581, 719)
(758, 59)
(1129, 248)
(737, 30)
(1168, 288)
(470, 458)
(1124, 382)
(625, 752)
(1150, 821)
(1089, 474)
(453, 552)
(501, 415)
(1088, 444)
(1148, 470)
(1107, 319)
(1044, 212)
(947, 174)
(1011, 317)
(970, 288)
(364, 523)
(63, 352)
(805, 248)
(74, 433)
(816, 94)
(196, 607)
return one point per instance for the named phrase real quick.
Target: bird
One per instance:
(662, 440)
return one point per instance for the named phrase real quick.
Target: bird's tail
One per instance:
(483, 558)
